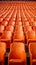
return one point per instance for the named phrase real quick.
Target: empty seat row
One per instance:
(17, 54)
(17, 22)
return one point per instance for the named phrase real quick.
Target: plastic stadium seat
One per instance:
(32, 53)
(24, 19)
(6, 37)
(27, 28)
(12, 23)
(18, 23)
(13, 18)
(5, 23)
(10, 28)
(34, 26)
(14, 14)
(31, 36)
(18, 34)
(1, 19)
(19, 16)
(16, 57)
(0, 15)
(34, 19)
(33, 23)
(1, 28)
(7, 18)
(26, 23)
(2, 52)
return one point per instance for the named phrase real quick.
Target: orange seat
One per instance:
(12, 23)
(2, 52)
(33, 23)
(30, 36)
(6, 37)
(1, 28)
(10, 28)
(27, 28)
(16, 57)
(19, 15)
(18, 34)
(5, 23)
(32, 53)
(1, 19)
(26, 23)
(18, 22)
(34, 26)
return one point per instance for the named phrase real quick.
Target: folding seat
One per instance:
(13, 18)
(27, 28)
(34, 23)
(9, 16)
(14, 14)
(1, 19)
(5, 23)
(6, 15)
(34, 26)
(19, 18)
(27, 15)
(11, 23)
(30, 36)
(32, 53)
(26, 23)
(18, 23)
(1, 28)
(34, 19)
(24, 19)
(18, 34)
(2, 52)
(16, 57)
(19, 15)
(31, 23)
(0, 15)
(10, 28)
(6, 37)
